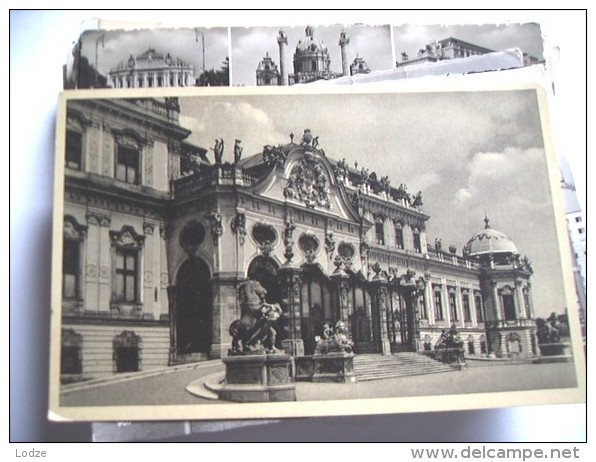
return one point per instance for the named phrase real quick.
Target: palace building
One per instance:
(311, 61)
(158, 235)
(451, 48)
(151, 69)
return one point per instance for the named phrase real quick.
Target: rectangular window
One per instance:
(417, 244)
(70, 269)
(379, 234)
(452, 306)
(126, 275)
(438, 305)
(466, 305)
(127, 167)
(74, 149)
(399, 237)
(578, 219)
(422, 308)
(508, 307)
(479, 310)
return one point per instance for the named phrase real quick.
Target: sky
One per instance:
(527, 37)
(118, 45)
(249, 46)
(469, 153)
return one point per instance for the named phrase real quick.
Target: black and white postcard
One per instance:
(297, 251)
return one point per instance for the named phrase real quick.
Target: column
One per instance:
(343, 299)
(282, 40)
(289, 277)
(380, 294)
(520, 309)
(90, 281)
(446, 305)
(496, 301)
(459, 306)
(429, 303)
(343, 43)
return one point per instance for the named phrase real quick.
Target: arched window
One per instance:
(264, 270)
(379, 229)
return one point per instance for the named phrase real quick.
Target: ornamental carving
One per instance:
(127, 237)
(274, 155)
(72, 229)
(309, 245)
(341, 171)
(98, 219)
(238, 225)
(148, 228)
(308, 183)
(289, 240)
(265, 236)
(329, 243)
(216, 225)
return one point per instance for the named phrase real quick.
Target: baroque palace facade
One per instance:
(157, 238)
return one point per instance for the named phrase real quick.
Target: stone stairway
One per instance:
(374, 367)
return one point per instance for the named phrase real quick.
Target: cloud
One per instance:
(217, 118)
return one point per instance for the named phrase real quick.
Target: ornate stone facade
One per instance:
(328, 241)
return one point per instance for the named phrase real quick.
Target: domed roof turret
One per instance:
(311, 44)
(489, 241)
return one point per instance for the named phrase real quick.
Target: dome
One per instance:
(310, 44)
(489, 241)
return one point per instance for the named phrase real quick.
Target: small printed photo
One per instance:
(150, 58)
(418, 44)
(289, 55)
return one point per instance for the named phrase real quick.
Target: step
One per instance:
(376, 367)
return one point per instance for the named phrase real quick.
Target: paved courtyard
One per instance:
(167, 387)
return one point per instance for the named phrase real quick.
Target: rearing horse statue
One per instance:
(257, 329)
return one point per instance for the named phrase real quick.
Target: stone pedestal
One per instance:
(258, 378)
(559, 352)
(334, 367)
(331, 367)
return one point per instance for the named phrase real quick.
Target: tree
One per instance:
(216, 78)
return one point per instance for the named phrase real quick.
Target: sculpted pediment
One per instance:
(302, 175)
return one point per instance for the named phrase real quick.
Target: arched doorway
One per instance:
(194, 308)
(264, 270)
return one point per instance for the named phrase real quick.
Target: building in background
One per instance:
(310, 61)
(451, 48)
(152, 69)
(576, 227)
